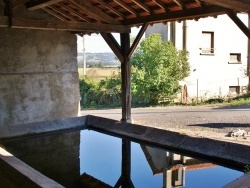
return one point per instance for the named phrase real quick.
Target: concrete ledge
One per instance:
(42, 127)
(19, 173)
(223, 153)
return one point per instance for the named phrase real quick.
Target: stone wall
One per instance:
(38, 76)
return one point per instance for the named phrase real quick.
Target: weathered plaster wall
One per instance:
(38, 75)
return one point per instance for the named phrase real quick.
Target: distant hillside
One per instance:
(107, 58)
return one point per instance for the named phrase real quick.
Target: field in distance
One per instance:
(98, 74)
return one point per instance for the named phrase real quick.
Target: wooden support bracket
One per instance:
(113, 44)
(137, 39)
(239, 23)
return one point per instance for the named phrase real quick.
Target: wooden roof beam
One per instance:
(180, 3)
(34, 5)
(72, 11)
(18, 3)
(161, 4)
(93, 11)
(62, 25)
(178, 15)
(239, 5)
(201, 3)
(123, 5)
(64, 14)
(143, 6)
(111, 9)
(54, 14)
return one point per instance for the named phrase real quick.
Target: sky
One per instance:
(95, 43)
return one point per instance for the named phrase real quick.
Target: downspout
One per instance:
(184, 48)
(172, 32)
(84, 56)
(184, 36)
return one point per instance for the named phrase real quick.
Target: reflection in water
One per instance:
(171, 165)
(90, 159)
(125, 179)
(54, 155)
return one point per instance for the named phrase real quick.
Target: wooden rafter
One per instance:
(64, 14)
(161, 4)
(18, 3)
(239, 5)
(111, 9)
(72, 11)
(54, 14)
(62, 25)
(93, 11)
(180, 3)
(178, 15)
(143, 6)
(34, 5)
(201, 3)
(128, 8)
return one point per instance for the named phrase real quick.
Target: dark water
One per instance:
(65, 156)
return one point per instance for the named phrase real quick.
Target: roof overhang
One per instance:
(105, 16)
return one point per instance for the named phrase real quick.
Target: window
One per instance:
(234, 89)
(207, 45)
(234, 58)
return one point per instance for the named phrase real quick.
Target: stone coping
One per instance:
(224, 153)
(42, 127)
(22, 174)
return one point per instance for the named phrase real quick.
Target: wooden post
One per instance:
(126, 78)
(123, 53)
(125, 179)
(8, 11)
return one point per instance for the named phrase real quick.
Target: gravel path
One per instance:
(205, 121)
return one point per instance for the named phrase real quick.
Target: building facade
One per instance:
(218, 56)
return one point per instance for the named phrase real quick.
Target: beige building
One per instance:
(217, 55)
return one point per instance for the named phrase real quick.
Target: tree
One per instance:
(157, 68)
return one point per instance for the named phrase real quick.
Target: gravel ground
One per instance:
(203, 121)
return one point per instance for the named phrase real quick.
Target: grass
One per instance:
(98, 74)
(240, 101)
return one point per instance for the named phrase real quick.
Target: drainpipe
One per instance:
(184, 48)
(84, 56)
(172, 32)
(184, 36)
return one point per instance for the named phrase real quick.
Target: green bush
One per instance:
(105, 93)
